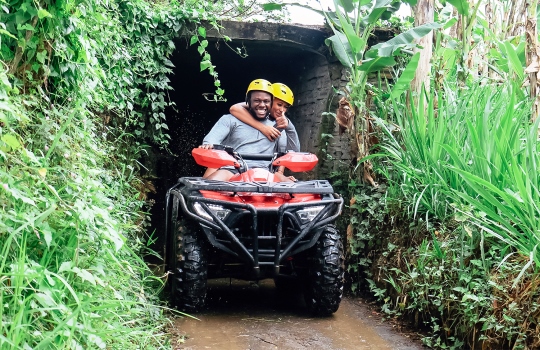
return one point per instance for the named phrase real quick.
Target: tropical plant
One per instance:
(353, 22)
(82, 92)
(463, 167)
(477, 149)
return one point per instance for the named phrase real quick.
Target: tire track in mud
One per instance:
(241, 315)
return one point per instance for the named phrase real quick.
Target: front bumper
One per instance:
(257, 250)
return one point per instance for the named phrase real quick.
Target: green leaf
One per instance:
(404, 81)
(380, 7)
(202, 31)
(11, 141)
(45, 214)
(462, 6)
(357, 44)
(513, 60)
(45, 300)
(46, 232)
(5, 32)
(42, 13)
(341, 48)
(27, 26)
(193, 39)
(376, 64)
(40, 56)
(410, 2)
(450, 23)
(205, 65)
(168, 63)
(273, 6)
(403, 40)
(65, 266)
(347, 5)
(85, 275)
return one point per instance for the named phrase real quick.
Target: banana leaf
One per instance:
(341, 48)
(376, 64)
(404, 81)
(402, 41)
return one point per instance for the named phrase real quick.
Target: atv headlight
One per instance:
(308, 214)
(218, 211)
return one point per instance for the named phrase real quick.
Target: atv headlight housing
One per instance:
(308, 214)
(218, 211)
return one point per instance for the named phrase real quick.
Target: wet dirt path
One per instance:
(241, 315)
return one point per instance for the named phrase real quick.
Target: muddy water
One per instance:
(242, 315)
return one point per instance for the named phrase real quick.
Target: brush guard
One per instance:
(186, 193)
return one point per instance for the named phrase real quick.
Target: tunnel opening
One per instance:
(295, 56)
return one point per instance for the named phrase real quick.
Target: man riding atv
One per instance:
(246, 221)
(242, 137)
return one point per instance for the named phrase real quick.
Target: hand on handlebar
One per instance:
(207, 146)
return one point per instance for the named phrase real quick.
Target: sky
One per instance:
(305, 16)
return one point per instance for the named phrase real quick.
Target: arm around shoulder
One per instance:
(240, 112)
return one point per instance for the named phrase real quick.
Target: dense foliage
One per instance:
(83, 88)
(464, 173)
(449, 236)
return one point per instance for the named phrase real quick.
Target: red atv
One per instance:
(252, 228)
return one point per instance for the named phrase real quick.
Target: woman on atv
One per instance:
(245, 138)
(283, 100)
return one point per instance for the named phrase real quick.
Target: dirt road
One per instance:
(244, 316)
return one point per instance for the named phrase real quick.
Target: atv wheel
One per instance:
(325, 281)
(190, 268)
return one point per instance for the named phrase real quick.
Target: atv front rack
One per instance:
(186, 193)
(312, 187)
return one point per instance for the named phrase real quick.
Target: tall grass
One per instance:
(471, 156)
(70, 233)
(465, 168)
(83, 87)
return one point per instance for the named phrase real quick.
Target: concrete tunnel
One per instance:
(294, 55)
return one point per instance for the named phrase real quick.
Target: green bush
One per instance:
(71, 229)
(462, 171)
(84, 91)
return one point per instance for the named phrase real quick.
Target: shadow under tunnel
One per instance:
(295, 56)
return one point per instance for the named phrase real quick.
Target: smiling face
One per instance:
(259, 104)
(279, 107)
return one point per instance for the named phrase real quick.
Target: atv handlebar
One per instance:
(245, 156)
(256, 156)
(219, 156)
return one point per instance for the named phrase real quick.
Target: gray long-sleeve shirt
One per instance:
(232, 132)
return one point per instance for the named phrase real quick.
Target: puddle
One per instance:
(241, 315)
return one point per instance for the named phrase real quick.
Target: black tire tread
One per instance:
(326, 277)
(190, 268)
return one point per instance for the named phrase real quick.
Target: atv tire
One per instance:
(190, 268)
(324, 288)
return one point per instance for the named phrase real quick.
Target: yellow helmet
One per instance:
(282, 92)
(260, 85)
